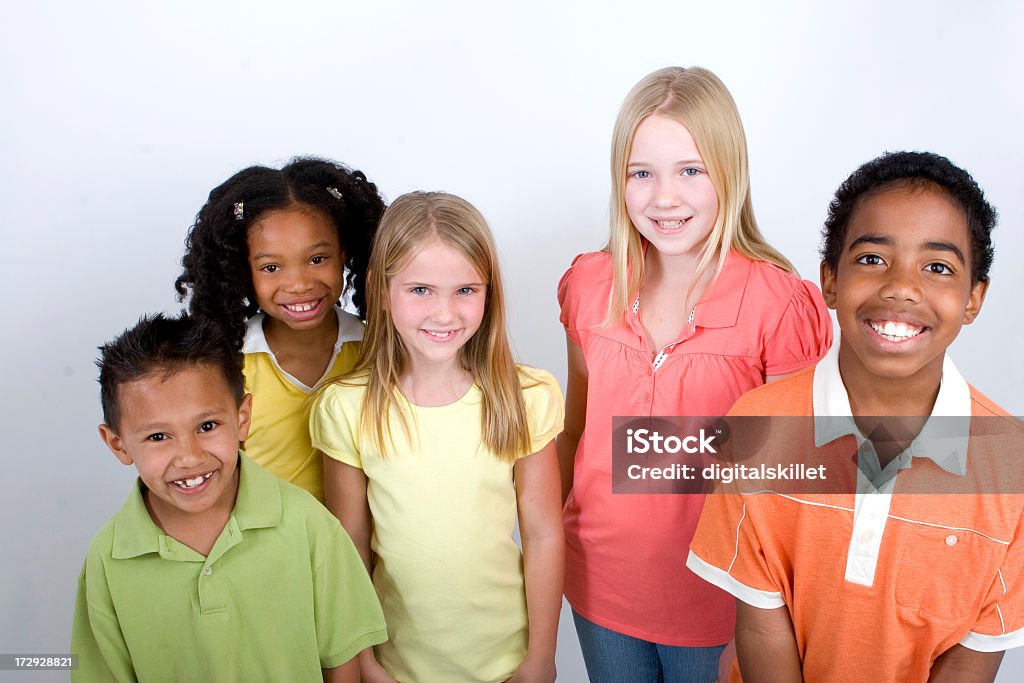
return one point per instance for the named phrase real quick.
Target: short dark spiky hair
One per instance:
(161, 344)
(914, 169)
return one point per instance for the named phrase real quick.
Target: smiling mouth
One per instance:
(192, 482)
(304, 307)
(670, 226)
(446, 334)
(895, 331)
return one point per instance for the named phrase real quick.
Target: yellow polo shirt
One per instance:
(282, 594)
(279, 434)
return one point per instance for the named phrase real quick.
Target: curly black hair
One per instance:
(215, 269)
(164, 344)
(914, 169)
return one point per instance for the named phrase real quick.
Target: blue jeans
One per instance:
(613, 657)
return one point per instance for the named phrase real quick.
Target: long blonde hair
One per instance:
(697, 99)
(412, 222)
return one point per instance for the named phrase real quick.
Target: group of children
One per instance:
(420, 442)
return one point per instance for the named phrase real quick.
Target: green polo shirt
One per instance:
(282, 594)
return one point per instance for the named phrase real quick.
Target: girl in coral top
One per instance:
(685, 309)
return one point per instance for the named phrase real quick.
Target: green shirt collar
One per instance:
(258, 505)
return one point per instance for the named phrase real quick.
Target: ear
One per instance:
(974, 301)
(115, 444)
(244, 417)
(828, 285)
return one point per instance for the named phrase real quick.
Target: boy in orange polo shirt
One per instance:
(876, 583)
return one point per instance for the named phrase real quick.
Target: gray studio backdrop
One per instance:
(119, 117)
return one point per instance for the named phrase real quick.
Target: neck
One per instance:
(280, 337)
(435, 384)
(890, 396)
(676, 270)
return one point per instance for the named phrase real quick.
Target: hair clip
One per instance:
(334, 192)
(239, 210)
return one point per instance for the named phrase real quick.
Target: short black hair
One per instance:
(914, 169)
(162, 344)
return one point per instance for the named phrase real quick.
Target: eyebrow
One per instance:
(411, 283)
(932, 246)
(684, 162)
(199, 419)
(313, 247)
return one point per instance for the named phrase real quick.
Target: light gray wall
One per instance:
(118, 118)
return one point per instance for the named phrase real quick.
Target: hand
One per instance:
(534, 670)
(372, 672)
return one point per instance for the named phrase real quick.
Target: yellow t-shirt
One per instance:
(279, 433)
(448, 572)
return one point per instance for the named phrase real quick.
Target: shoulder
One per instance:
(342, 391)
(588, 269)
(536, 380)
(788, 396)
(101, 547)
(983, 406)
(771, 284)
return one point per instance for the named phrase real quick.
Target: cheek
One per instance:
(634, 197)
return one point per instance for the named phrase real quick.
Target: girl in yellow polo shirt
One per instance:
(434, 442)
(268, 259)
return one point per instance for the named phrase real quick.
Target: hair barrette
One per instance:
(334, 192)
(239, 211)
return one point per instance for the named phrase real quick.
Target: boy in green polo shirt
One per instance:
(213, 569)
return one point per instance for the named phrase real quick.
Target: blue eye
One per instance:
(691, 172)
(419, 291)
(465, 291)
(640, 175)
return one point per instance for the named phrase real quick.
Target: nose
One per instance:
(298, 281)
(443, 310)
(667, 193)
(902, 283)
(189, 454)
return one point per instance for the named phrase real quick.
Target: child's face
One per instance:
(182, 433)
(297, 268)
(669, 195)
(903, 287)
(437, 302)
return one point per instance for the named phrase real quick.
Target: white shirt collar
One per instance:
(943, 441)
(350, 328)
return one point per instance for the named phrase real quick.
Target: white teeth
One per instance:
(439, 335)
(669, 225)
(193, 482)
(300, 308)
(894, 331)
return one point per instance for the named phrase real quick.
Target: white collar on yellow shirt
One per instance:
(350, 328)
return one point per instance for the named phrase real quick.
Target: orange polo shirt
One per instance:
(878, 585)
(626, 553)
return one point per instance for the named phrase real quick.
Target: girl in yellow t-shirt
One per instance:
(267, 260)
(433, 442)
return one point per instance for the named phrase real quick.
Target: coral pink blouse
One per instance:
(625, 562)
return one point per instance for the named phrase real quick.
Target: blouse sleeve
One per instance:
(803, 334)
(1000, 624)
(545, 410)
(332, 427)
(569, 301)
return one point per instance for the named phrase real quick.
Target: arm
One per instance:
(346, 673)
(345, 497)
(540, 525)
(766, 645)
(575, 414)
(960, 664)
(96, 634)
